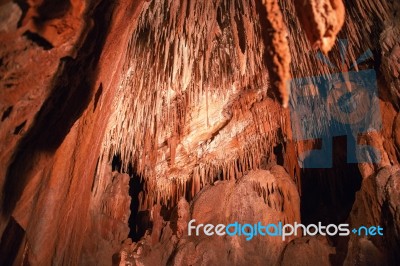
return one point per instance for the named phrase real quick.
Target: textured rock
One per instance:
(27, 72)
(109, 221)
(260, 196)
(48, 163)
(396, 131)
(390, 44)
(187, 94)
(308, 251)
(377, 203)
(194, 127)
(322, 21)
(277, 47)
(10, 13)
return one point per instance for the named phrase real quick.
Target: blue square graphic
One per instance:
(341, 104)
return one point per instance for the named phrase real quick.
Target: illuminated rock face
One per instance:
(186, 98)
(259, 196)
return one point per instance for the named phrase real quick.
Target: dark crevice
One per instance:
(19, 128)
(39, 40)
(51, 9)
(328, 194)
(48, 9)
(95, 172)
(11, 240)
(392, 244)
(116, 163)
(97, 96)
(278, 151)
(139, 220)
(241, 34)
(66, 59)
(6, 113)
(220, 20)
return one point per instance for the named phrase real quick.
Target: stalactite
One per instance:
(218, 76)
(277, 49)
(275, 188)
(321, 21)
(169, 70)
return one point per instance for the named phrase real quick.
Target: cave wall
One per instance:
(187, 93)
(46, 189)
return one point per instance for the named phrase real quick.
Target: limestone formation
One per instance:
(120, 121)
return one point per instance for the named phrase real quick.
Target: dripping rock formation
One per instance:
(122, 121)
